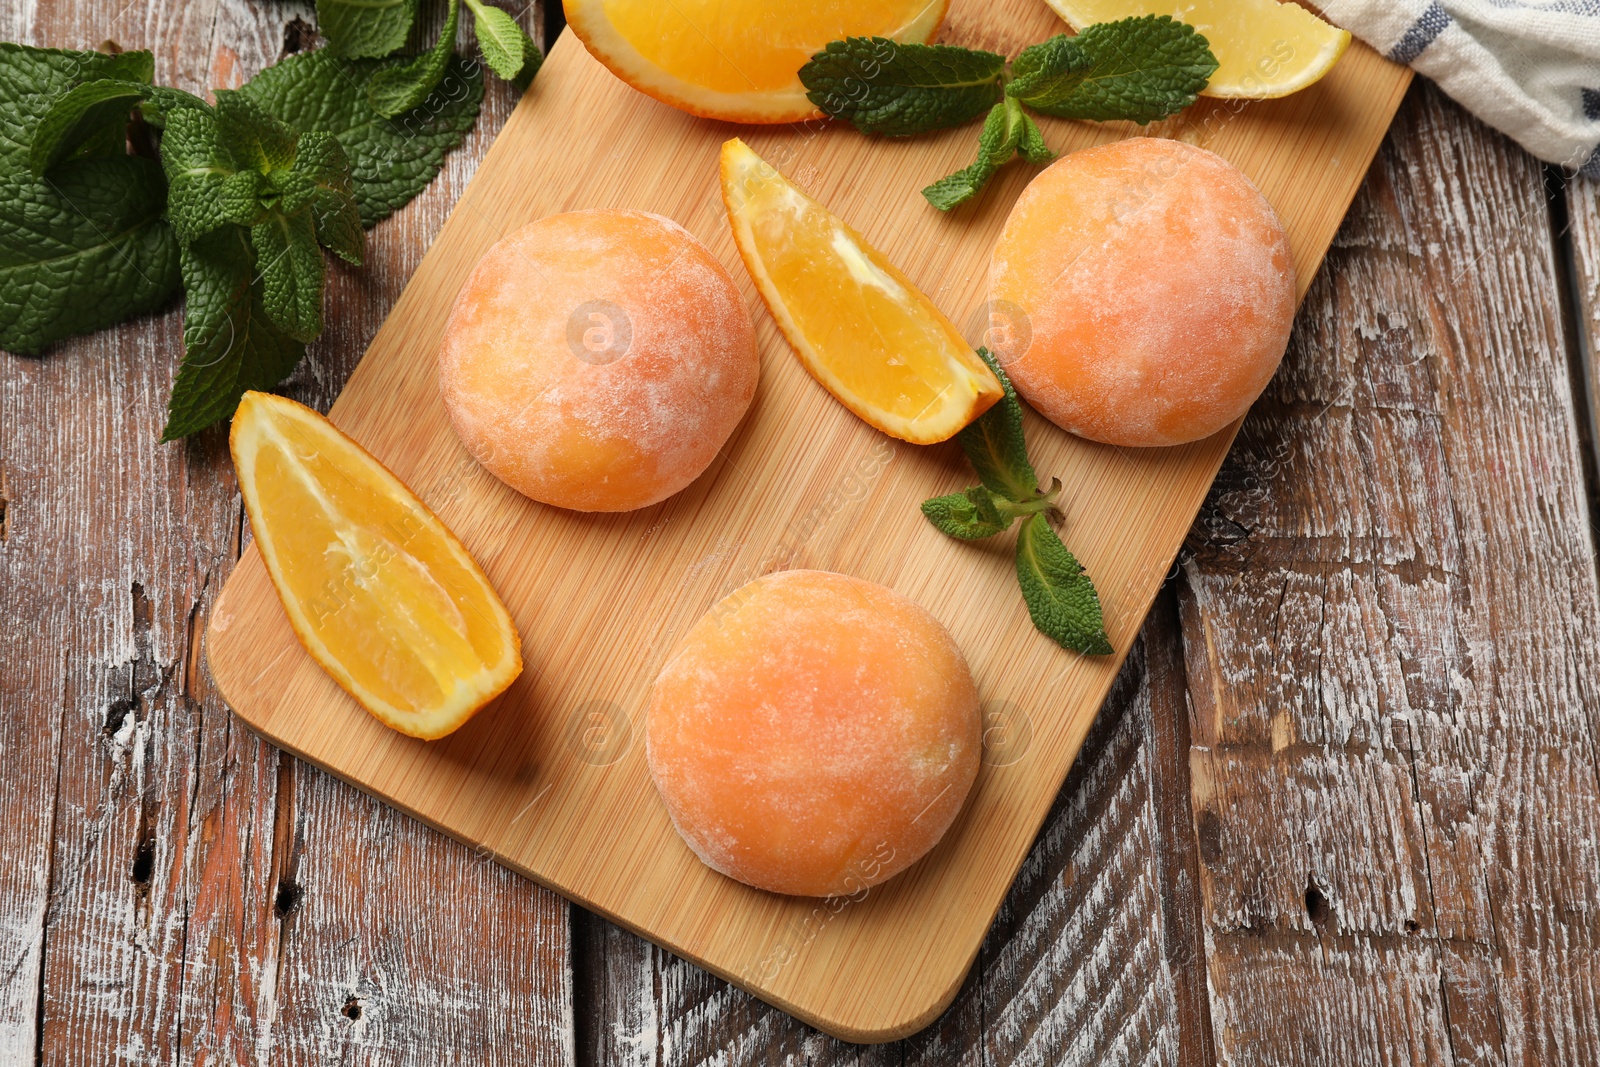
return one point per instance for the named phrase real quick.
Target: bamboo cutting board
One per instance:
(551, 779)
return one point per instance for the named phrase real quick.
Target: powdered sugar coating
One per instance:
(1158, 287)
(541, 389)
(814, 733)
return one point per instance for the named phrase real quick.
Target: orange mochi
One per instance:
(598, 360)
(1146, 292)
(814, 734)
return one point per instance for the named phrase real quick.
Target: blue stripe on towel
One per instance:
(1591, 104)
(1429, 25)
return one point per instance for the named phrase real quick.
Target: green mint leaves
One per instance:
(1136, 69)
(373, 29)
(252, 200)
(90, 119)
(391, 159)
(885, 87)
(1060, 597)
(398, 89)
(230, 344)
(366, 29)
(82, 249)
(1007, 132)
(83, 241)
(246, 196)
(508, 51)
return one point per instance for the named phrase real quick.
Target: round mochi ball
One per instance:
(814, 734)
(598, 360)
(1145, 292)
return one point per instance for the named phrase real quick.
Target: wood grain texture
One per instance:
(149, 841)
(95, 505)
(513, 783)
(1390, 632)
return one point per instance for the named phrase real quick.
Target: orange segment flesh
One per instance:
(737, 60)
(858, 325)
(378, 590)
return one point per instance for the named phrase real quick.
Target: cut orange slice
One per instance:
(737, 60)
(858, 325)
(378, 590)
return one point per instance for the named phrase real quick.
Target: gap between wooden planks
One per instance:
(600, 599)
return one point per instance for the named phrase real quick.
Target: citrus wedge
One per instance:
(737, 60)
(380, 593)
(859, 326)
(1264, 49)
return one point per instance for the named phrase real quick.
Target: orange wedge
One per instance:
(859, 325)
(380, 593)
(737, 60)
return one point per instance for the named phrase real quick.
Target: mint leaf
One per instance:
(1030, 144)
(506, 49)
(88, 119)
(391, 160)
(82, 249)
(255, 139)
(958, 515)
(230, 345)
(1140, 69)
(320, 161)
(160, 101)
(396, 90)
(886, 87)
(995, 446)
(1060, 597)
(1057, 66)
(292, 272)
(1006, 132)
(368, 28)
(206, 190)
(31, 79)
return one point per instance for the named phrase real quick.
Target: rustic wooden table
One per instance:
(1343, 806)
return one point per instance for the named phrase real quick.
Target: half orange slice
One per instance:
(737, 60)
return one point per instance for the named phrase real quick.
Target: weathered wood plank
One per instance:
(170, 891)
(114, 543)
(1581, 243)
(1093, 959)
(1390, 637)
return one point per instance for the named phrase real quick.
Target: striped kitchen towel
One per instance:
(1529, 68)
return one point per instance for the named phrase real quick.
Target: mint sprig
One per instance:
(1136, 69)
(1061, 598)
(237, 211)
(252, 201)
(886, 87)
(1007, 132)
(373, 29)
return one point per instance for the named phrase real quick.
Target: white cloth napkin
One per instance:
(1529, 68)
